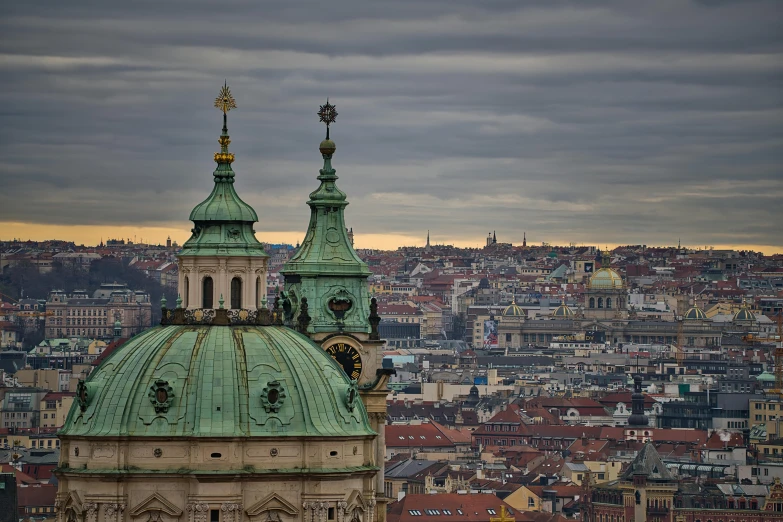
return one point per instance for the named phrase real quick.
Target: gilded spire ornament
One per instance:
(225, 102)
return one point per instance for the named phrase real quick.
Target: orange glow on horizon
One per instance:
(91, 235)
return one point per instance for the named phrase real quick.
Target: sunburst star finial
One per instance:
(328, 115)
(225, 101)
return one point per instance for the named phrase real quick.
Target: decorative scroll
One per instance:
(91, 508)
(216, 317)
(197, 511)
(199, 316)
(113, 512)
(232, 512)
(242, 317)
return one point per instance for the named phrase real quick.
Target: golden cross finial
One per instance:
(504, 516)
(225, 102)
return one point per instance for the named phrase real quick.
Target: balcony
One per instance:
(652, 510)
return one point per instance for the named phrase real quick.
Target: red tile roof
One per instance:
(37, 495)
(424, 435)
(460, 508)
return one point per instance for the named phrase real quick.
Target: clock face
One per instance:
(347, 356)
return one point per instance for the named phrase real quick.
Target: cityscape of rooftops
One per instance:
(391, 261)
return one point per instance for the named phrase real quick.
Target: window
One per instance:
(214, 515)
(531, 502)
(208, 291)
(236, 293)
(491, 511)
(187, 291)
(592, 302)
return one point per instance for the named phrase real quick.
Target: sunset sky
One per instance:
(597, 123)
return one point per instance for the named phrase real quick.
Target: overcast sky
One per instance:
(589, 122)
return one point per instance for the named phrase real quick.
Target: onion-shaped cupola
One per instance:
(223, 223)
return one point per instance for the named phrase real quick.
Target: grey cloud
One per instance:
(605, 121)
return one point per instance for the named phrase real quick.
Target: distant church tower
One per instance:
(427, 247)
(524, 239)
(637, 428)
(329, 273)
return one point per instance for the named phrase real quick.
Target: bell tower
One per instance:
(339, 315)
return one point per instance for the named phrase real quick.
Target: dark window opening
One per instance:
(208, 293)
(236, 293)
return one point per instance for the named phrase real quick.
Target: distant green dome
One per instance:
(744, 315)
(563, 312)
(766, 377)
(606, 279)
(218, 381)
(513, 310)
(695, 314)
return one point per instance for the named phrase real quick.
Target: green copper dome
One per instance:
(218, 381)
(606, 279)
(765, 377)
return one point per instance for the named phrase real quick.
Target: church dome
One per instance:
(513, 310)
(765, 377)
(563, 312)
(744, 315)
(606, 279)
(218, 381)
(695, 314)
(223, 205)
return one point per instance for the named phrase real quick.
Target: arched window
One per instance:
(600, 302)
(592, 302)
(236, 293)
(259, 295)
(609, 302)
(207, 293)
(187, 291)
